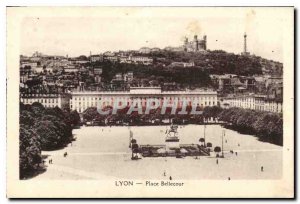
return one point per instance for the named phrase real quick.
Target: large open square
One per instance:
(103, 153)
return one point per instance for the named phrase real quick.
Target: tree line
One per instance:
(267, 126)
(42, 129)
(134, 118)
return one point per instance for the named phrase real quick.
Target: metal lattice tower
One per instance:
(245, 43)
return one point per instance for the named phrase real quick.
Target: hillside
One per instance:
(221, 62)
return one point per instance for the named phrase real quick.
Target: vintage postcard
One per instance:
(150, 102)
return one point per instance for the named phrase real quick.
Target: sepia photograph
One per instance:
(150, 102)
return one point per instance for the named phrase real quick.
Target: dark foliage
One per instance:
(265, 125)
(42, 129)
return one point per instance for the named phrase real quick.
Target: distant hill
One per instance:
(206, 63)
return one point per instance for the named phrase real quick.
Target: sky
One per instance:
(78, 31)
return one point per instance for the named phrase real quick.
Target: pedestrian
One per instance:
(217, 162)
(261, 168)
(170, 178)
(229, 178)
(164, 173)
(236, 153)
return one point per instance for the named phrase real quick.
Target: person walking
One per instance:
(217, 161)
(170, 178)
(261, 168)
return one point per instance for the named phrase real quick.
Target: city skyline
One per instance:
(74, 35)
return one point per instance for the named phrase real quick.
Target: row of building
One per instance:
(272, 86)
(122, 57)
(253, 102)
(81, 100)
(195, 45)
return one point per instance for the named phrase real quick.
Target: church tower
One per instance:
(195, 46)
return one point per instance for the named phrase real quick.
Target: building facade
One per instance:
(47, 100)
(182, 64)
(141, 60)
(96, 58)
(253, 102)
(80, 101)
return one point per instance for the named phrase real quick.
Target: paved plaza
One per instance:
(103, 153)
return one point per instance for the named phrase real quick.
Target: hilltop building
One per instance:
(196, 45)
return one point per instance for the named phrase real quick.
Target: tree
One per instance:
(265, 125)
(74, 118)
(50, 136)
(41, 129)
(90, 113)
(217, 149)
(37, 109)
(27, 118)
(30, 151)
(202, 141)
